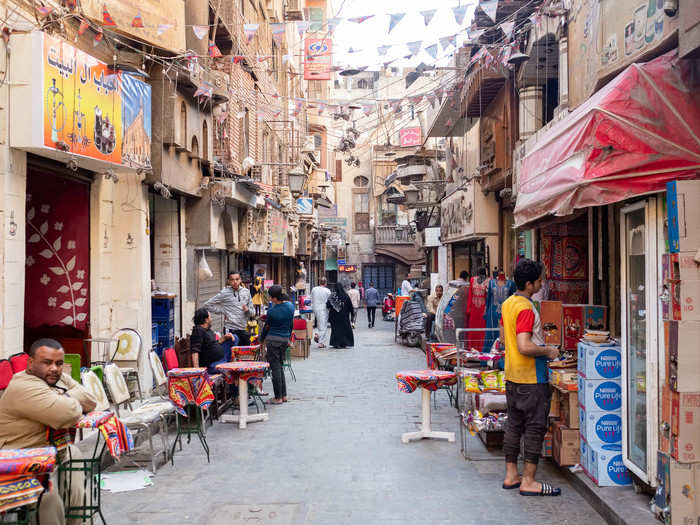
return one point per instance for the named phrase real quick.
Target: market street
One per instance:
(333, 455)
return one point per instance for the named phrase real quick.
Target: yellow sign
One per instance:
(163, 20)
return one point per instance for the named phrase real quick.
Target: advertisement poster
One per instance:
(305, 206)
(317, 58)
(278, 231)
(410, 137)
(86, 106)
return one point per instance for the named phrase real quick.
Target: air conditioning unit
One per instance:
(294, 10)
(256, 173)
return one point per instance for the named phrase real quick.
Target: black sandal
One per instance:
(547, 490)
(511, 487)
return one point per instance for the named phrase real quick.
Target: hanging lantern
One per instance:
(518, 58)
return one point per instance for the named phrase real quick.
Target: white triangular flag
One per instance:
(432, 50)
(395, 19)
(459, 13)
(303, 26)
(332, 24)
(490, 7)
(383, 49)
(507, 28)
(200, 31)
(428, 15)
(414, 47)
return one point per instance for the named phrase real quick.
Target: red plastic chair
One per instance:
(170, 358)
(300, 324)
(5, 373)
(19, 362)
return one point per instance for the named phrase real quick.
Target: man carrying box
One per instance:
(528, 394)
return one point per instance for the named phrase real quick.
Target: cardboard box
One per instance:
(599, 362)
(547, 445)
(682, 199)
(677, 490)
(300, 348)
(685, 426)
(605, 466)
(683, 354)
(662, 496)
(554, 405)
(565, 445)
(596, 394)
(665, 420)
(583, 454)
(569, 410)
(684, 267)
(685, 300)
(552, 316)
(600, 427)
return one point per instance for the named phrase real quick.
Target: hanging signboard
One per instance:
(82, 107)
(410, 137)
(349, 268)
(278, 231)
(317, 58)
(305, 206)
(163, 26)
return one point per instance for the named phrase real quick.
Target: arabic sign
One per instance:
(91, 109)
(278, 231)
(305, 206)
(317, 58)
(410, 137)
(163, 22)
(347, 268)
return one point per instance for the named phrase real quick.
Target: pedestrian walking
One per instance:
(340, 308)
(372, 301)
(276, 334)
(235, 302)
(528, 394)
(354, 295)
(433, 302)
(319, 301)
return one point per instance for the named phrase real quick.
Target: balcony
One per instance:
(394, 235)
(397, 242)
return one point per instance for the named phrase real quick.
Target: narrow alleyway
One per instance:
(333, 455)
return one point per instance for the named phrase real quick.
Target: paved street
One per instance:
(333, 455)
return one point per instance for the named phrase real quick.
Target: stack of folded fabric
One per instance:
(24, 475)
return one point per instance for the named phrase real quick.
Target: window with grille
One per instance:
(360, 205)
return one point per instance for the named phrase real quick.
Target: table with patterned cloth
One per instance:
(243, 371)
(24, 475)
(433, 350)
(189, 386)
(428, 381)
(239, 353)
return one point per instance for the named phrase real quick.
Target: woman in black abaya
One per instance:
(340, 310)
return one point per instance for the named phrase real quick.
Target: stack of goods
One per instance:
(563, 411)
(485, 391)
(479, 381)
(600, 400)
(679, 440)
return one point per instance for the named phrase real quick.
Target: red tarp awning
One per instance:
(638, 132)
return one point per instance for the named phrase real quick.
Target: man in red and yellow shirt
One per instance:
(528, 393)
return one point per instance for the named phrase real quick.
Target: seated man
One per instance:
(37, 399)
(206, 351)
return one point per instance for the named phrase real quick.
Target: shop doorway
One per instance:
(57, 277)
(469, 256)
(382, 275)
(206, 289)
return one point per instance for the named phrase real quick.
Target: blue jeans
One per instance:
(226, 345)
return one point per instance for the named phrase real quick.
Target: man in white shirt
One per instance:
(354, 295)
(319, 298)
(406, 288)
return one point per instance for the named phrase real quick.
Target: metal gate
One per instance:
(382, 275)
(210, 287)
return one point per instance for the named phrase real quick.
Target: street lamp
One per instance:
(297, 179)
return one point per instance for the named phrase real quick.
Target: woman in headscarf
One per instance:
(340, 310)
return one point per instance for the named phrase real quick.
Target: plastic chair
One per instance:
(127, 353)
(99, 372)
(19, 362)
(288, 363)
(93, 384)
(73, 361)
(170, 359)
(5, 374)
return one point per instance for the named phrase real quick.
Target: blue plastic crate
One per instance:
(162, 308)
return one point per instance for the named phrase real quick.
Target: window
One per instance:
(183, 124)
(205, 141)
(362, 84)
(275, 61)
(246, 133)
(195, 147)
(361, 181)
(360, 205)
(318, 141)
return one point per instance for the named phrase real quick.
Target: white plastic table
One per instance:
(428, 381)
(243, 371)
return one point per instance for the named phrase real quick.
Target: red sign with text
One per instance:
(317, 58)
(410, 137)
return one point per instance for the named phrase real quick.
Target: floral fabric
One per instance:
(431, 380)
(24, 475)
(252, 371)
(189, 386)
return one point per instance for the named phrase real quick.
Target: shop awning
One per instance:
(638, 132)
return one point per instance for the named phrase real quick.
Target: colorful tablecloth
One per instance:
(434, 349)
(189, 386)
(238, 351)
(431, 380)
(117, 437)
(24, 475)
(252, 371)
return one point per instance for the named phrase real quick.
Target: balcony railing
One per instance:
(402, 234)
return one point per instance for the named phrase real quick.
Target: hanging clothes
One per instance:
(498, 291)
(476, 306)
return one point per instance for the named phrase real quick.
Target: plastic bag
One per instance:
(490, 380)
(204, 272)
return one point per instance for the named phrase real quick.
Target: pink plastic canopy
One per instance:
(638, 132)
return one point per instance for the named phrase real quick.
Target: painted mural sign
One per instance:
(317, 58)
(605, 36)
(89, 110)
(410, 137)
(278, 231)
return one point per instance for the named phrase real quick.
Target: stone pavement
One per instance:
(333, 455)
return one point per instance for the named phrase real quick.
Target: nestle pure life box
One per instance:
(599, 362)
(606, 468)
(597, 394)
(600, 427)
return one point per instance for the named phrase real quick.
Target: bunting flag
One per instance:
(240, 114)
(333, 24)
(386, 64)
(432, 51)
(261, 115)
(137, 21)
(383, 49)
(214, 51)
(297, 108)
(44, 11)
(204, 90)
(162, 28)
(250, 30)
(395, 105)
(416, 100)
(367, 109)
(221, 118)
(200, 31)
(459, 13)
(84, 25)
(414, 47)
(276, 112)
(490, 7)
(277, 31)
(303, 26)
(6, 31)
(360, 19)
(507, 28)
(107, 18)
(237, 58)
(264, 58)
(394, 19)
(445, 41)
(428, 15)
(98, 38)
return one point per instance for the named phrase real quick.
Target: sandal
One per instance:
(546, 490)
(275, 401)
(284, 400)
(510, 487)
